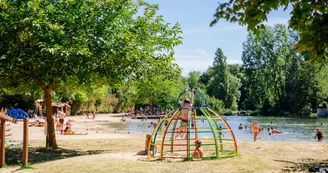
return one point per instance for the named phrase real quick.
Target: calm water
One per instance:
(294, 129)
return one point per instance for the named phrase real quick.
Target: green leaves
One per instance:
(309, 18)
(57, 39)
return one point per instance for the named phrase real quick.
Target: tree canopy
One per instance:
(309, 18)
(44, 42)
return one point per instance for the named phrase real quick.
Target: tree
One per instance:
(44, 42)
(223, 85)
(309, 18)
(278, 79)
(193, 79)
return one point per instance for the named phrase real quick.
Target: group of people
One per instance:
(88, 113)
(256, 129)
(65, 128)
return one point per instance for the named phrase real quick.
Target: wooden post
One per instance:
(25, 143)
(2, 143)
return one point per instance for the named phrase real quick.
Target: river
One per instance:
(294, 129)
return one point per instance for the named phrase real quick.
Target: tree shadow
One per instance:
(40, 155)
(304, 165)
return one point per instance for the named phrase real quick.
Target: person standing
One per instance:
(61, 116)
(93, 114)
(319, 135)
(255, 129)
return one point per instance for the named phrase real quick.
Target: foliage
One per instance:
(309, 18)
(223, 85)
(46, 42)
(277, 77)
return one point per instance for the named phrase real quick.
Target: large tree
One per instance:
(309, 18)
(43, 42)
(277, 77)
(223, 85)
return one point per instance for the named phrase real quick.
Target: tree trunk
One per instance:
(51, 142)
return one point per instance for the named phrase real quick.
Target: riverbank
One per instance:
(108, 150)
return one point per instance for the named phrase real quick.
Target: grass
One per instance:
(116, 155)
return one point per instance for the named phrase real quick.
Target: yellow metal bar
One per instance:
(227, 125)
(156, 129)
(167, 127)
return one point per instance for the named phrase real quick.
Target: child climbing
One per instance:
(186, 107)
(198, 153)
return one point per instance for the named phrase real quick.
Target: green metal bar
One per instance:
(219, 131)
(156, 131)
(231, 132)
(214, 136)
(200, 118)
(201, 132)
(164, 134)
(203, 144)
(188, 133)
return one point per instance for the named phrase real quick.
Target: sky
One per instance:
(200, 41)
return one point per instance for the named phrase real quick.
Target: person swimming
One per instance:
(240, 127)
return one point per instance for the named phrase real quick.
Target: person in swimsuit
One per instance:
(255, 128)
(319, 135)
(198, 153)
(185, 114)
(240, 127)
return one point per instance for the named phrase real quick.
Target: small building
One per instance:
(64, 107)
(322, 111)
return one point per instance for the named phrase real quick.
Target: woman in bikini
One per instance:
(255, 128)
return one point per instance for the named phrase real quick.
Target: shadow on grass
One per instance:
(39, 155)
(304, 165)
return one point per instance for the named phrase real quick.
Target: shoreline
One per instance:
(105, 149)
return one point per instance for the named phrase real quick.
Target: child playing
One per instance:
(69, 131)
(185, 114)
(198, 153)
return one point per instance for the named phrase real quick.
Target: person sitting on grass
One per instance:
(198, 153)
(319, 135)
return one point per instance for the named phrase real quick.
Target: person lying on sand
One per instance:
(69, 131)
(36, 123)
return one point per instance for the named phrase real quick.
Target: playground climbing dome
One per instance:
(178, 133)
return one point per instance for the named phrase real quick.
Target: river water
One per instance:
(294, 129)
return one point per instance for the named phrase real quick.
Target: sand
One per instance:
(97, 128)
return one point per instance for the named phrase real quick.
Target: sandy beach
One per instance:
(106, 149)
(97, 129)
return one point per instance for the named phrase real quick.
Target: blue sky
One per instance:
(201, 41)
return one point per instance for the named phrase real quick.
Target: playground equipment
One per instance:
(3, 119)
(174, 136)
(17, 113)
